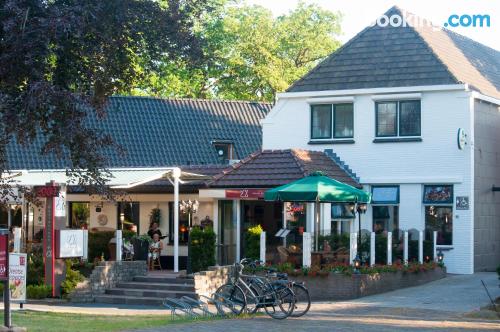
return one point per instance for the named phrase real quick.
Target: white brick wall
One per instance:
(436, 159)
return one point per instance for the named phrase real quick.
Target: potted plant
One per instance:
(141, 245)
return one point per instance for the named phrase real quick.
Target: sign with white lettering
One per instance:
(70, 243)
(17, 277)
(462, 203)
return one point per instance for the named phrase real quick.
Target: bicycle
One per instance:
(302, 301)
(257, 292)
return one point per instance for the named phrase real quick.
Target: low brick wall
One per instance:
(207, 282)
(107, 275)
(342, 287)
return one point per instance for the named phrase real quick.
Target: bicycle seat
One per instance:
(282, 275)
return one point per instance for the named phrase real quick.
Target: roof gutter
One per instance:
(480, 96)
(406, 89)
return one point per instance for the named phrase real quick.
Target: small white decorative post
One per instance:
(119, 244)
(420, 247)
(263, 247)
(354, 247)
(372, 248)
(339, 227)
(434, 244)
(405, 257)
(306, 249)
(389, 248)
(85, 244)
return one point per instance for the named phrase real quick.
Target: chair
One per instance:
(155, 262)
(342, 255)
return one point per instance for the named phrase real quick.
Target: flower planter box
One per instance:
(338, 286)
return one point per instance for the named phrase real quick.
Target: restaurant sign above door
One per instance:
(245, 193)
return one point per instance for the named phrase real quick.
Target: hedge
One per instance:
(202, 248)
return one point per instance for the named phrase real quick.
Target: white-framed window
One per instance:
(385, 208)
(398, 118)
(438, 206)
(332, 121)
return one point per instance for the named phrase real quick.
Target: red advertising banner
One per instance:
(47, 191)
(4, 257)
(245, 193)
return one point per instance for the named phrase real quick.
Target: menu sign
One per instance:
(4, 260)
(71, 243)
(17, 277)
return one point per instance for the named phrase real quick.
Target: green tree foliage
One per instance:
(61, 59)
(249, 54)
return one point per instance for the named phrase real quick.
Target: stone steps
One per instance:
(148, 290)
(155, 286)
(150, 293)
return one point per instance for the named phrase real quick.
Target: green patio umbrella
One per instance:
(317, 188)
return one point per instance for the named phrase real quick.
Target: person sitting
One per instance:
(154, 250)
(154, 230)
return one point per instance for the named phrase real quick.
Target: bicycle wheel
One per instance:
(253, 299)
(302, 300)
(282, 303)
(229, 299)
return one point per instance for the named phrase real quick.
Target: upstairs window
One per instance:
(224, 150)
(398, 118)
(332, 121)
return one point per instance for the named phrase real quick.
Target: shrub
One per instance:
(201, 248)
(36, 268)
(38, 291)
(252, 242)
(73, 277)
(336, 241)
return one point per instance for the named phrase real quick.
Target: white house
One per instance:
(414, 112)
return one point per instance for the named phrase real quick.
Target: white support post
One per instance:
(420, 247)
(389, 248)
(353, 247)
(339, 227)
(434, 244)
(17, 239)
(119, 244)
(372, 248)
(263, 247)
(238, 229)
(405, 257)
(9, 216)
(284, 223)
(85, 244)
(176, 173)
(306, 249)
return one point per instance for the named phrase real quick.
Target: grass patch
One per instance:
(61, 322)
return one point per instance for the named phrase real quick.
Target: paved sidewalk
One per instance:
(455, 293)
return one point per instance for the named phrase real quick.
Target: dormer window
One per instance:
(224, 150)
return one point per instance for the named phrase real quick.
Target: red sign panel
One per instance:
(245, 193)
(4, 256)
(47, 191)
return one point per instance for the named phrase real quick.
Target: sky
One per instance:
(357, 14)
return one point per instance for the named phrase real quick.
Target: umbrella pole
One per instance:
(316, 228)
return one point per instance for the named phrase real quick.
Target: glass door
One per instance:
(226, 245)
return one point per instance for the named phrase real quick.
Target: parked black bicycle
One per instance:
(251, 292)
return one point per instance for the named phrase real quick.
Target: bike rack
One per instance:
(193, 308)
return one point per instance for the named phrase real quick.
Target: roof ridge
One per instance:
(235, 166)
(192, 99)
(293, 152)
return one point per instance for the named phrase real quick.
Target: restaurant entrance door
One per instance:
(226, 240)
